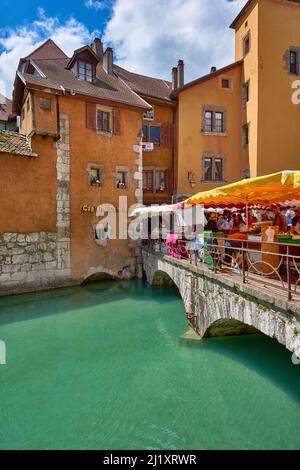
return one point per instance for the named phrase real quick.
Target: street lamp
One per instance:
(192, 179)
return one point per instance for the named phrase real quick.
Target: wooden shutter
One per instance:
(116, 122)
(167, 135)
(91, 116)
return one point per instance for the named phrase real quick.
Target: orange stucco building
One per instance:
(240, 121)
(78, 147)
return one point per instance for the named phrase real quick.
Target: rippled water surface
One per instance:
(105, 366)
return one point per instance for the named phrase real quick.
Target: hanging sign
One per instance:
(147, 146)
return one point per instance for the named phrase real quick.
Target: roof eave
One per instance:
(205, 78)
(241, 14)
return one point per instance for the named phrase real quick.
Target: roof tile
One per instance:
(12, 142)
(147, 86)
(106, 87)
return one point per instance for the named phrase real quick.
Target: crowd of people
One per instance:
(286, 220)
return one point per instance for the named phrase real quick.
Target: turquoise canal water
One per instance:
(104, 366)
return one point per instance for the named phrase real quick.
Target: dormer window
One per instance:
(85, 71)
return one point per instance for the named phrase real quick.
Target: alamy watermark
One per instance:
(296, 93)
(2, 353)
(139, 222)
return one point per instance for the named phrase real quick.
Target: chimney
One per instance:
(97, 47)
(108, 61)
(213, 69)
(174, 78)
(180, 69)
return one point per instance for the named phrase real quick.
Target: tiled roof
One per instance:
(12, 142)
(207, 77)
(146, 86)
(106, 87)
(5, 108)
(47, 50)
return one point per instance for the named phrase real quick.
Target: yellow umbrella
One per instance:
(275, 188)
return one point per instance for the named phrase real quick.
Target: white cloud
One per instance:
(95, 4)
(150, 37)
(24, 39)
(147, 37)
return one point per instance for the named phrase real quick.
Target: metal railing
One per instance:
(278, 264)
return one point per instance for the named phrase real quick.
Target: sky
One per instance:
(148, 36)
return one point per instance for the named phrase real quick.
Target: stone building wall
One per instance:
(41, 259)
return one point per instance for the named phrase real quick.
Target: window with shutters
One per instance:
(151, 133)
(104, 120)
(157, 180)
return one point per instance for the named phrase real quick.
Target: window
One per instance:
(293, 62)
(148, 181)
(95, 177)
(214, 119)
(246, 92)
(45, 103)
(246, 44)
(209, 121)
(208, 169)
(219, 122)
(160, 181)
(246, 135)
(149, 115)
(213, 168)
(226, 83)
(218, 169)
(145, 133)
(85, 71)
(151, 134)
(155, 135)
(122, 179)
(103, 121)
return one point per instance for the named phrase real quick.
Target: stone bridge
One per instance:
(217, 305)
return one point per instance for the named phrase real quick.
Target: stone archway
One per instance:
(213, 302)
(98, 273)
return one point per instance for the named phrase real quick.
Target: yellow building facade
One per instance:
(240, 121)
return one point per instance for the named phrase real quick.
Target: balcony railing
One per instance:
(262, 264)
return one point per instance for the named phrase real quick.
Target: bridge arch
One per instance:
(214, 302)
(228, 327)
(98, 274)
(165, 277)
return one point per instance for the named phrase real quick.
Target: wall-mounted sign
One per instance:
(149, 115)
(147, 146)
(87, 208)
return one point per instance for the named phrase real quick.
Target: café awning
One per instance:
(270, 189)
